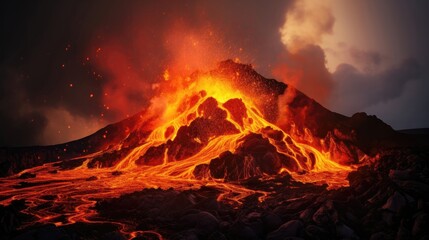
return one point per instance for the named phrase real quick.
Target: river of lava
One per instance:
(206, 134)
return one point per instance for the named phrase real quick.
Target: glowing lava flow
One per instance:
(188, 106)
(207, 133)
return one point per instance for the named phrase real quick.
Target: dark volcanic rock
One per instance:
(292, 228)
(108, 159)
(202, 171)
(117, 173)
(396, 202)
(27, 175)
(388, 190)
(316, 232)
(241, 231)
(254, 156)
(345, 232)
(326, 215)
(205, 223)
(271, 221)
(421, 221)
(92, 178)
(11, 217)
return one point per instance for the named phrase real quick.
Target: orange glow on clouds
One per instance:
(126, 81)
(193, 49)
(134, 71)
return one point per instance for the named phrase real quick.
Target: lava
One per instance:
(208, 129)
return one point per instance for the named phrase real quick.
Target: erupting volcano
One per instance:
(224, 154)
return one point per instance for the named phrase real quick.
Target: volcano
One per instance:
(224, 154)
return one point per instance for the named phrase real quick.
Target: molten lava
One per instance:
(208, 129)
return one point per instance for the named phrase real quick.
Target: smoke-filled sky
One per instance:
(69, 68)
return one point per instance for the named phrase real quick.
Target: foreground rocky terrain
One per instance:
(387, 199)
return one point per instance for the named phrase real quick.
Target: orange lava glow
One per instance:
(204, 97)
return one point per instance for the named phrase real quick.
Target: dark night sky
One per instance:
(69, 68)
